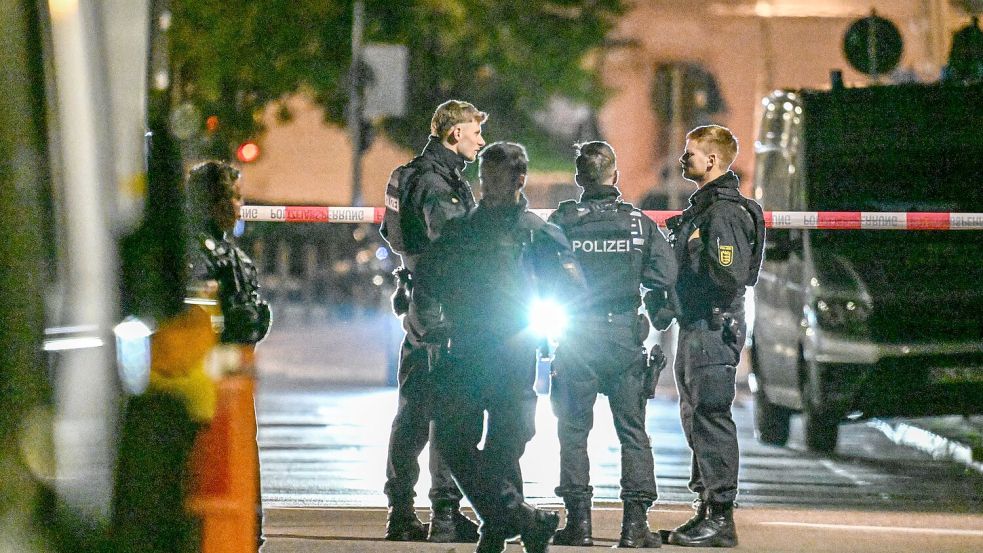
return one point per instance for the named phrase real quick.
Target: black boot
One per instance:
(635, 531)
(403, 525)
(449, 525)
(716, 530)
(700, 506)
(491, 542)
(538, 527)
(578, 528)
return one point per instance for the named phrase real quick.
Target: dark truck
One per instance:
(852, 324)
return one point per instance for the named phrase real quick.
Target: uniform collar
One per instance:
(454, 162)
(601, 192)
(727, 184)
(215, 231)
(519, 205)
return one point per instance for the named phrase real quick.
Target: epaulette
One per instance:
(626, 207)
(567, 205)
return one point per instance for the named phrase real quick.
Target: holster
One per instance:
(725, 321)
(655, 363)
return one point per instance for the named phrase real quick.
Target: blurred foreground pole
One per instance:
(355, 100)
(23, 172)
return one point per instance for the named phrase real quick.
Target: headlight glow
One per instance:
(842, 315)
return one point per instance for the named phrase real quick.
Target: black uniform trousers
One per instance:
(486, 395)
(412, 427)
(602, 354)
(705, 373)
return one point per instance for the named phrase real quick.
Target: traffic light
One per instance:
(248, 152)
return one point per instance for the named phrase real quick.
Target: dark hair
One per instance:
(595, 162)
(505, 159)
(212, 182)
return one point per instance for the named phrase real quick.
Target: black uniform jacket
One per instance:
(246, 315)
(438, 193)
(717, 247)
(618, 247)
(479, 280)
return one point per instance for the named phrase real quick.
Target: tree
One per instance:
(232, 58)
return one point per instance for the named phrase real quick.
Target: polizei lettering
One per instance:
(602, 246)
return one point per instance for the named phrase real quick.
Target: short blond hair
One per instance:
(454, 112)
(719, 139)
(595, 162)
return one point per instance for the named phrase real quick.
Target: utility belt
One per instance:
(622, 306)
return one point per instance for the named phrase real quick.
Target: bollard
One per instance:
(224, 463)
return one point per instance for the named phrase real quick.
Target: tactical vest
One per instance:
(609, 242)
(246, 316)
(404, 233)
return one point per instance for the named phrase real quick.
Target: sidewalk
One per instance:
(953, 438)
(761, 529)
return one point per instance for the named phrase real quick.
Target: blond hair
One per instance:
(454, 112)
(719, 139)
(596, 162)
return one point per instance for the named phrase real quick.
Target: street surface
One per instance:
(323, 451)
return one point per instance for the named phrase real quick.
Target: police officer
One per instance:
(476, 285)
(214, 203)
(718, 242)
(428, 192)
(619, 249)
(213, 189)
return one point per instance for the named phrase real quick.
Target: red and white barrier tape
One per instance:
(823, 220)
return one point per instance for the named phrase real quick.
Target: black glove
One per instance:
(401, 301)
(659, 309)
(401, 297)
(663, 318)
(733, 333)
(246, 323)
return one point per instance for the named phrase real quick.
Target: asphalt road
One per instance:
(323, 451)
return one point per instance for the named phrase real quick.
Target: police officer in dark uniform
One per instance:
(214, 203)
(476, 286)
(619, 249)
(718, 242)
(213, 186)
(423, 196)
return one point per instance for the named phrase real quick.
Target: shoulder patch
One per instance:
(725, 255)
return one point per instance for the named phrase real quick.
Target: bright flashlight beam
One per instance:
(547, 318)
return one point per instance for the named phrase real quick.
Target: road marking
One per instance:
(844, 473)
(936, 531)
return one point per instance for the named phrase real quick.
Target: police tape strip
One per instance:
(820, 220)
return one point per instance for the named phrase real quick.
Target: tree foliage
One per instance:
(233, 58)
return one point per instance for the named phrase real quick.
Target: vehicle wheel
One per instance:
(821, 426)
(771, 422)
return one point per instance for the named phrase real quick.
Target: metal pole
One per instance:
(355, 100)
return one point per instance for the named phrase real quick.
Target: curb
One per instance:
(936, 445)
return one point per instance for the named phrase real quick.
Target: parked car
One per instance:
(865, 323)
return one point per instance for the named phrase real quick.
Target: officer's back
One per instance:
(488, 267)
(617, 246)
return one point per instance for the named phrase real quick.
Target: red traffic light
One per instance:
(247, 152)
